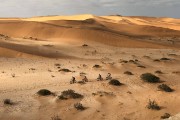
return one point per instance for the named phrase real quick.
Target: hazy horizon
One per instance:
(30, 8)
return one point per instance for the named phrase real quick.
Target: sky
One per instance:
(30, 8)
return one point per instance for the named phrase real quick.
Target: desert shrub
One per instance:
(103, 93)
(176, 72)
(114, 82)
(165, 88)
(8, 102)
(56, 117)
(57, 64)
(131, 61)
(148, 57)
(65, 70)
(153, 105)
(82, 73)
(79, 106)
(44, 92)
(141, 66)
(165, 116)
(123, 61)
(159, 72)
(148, 77)
(164, 59)
(156, 60)
(13, 75)
(96, 66)
(70, 94)
(128, 73)
(85, 45)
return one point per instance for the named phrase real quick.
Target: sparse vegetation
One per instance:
(70, 94)
(79, 106)
(44, 92)
(148, 77)
(82, 73)
(165, 116)
(153, 105)
(141, 66)
(8, 102)
(85, 45)
(103, 93)
(57, 64)
(115, 82)
(156, 60)
(165, 88)
(56, 117)
(13, 75)
(164, 59)
(128, 73)
(123, 61)
(158, 72)
(65, 70)
(96, 66)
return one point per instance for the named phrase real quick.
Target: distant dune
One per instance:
(132, 32)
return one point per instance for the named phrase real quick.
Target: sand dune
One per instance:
(125, 32)
(45, 52)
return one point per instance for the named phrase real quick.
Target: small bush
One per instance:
(57, 64)
(156, 60)
(114, 82)
(165, 88)
(164, 59)
(79, 106)
(44, 92)
(56, 117)
(141, 66)
(132, 61)
(65, 70)
(165, 116)
(70, 94)
(85, 45)
(153, 105)
(8, 102)
(123, 61)
(158, 72)
(128, 73)
(148, 77)
(96, 66)
(82, 73)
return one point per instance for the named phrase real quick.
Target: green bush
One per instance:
(148, 77)
(165, 88)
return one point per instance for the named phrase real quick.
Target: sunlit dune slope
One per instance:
(119, 31)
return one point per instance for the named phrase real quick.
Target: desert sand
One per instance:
(33, 50)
